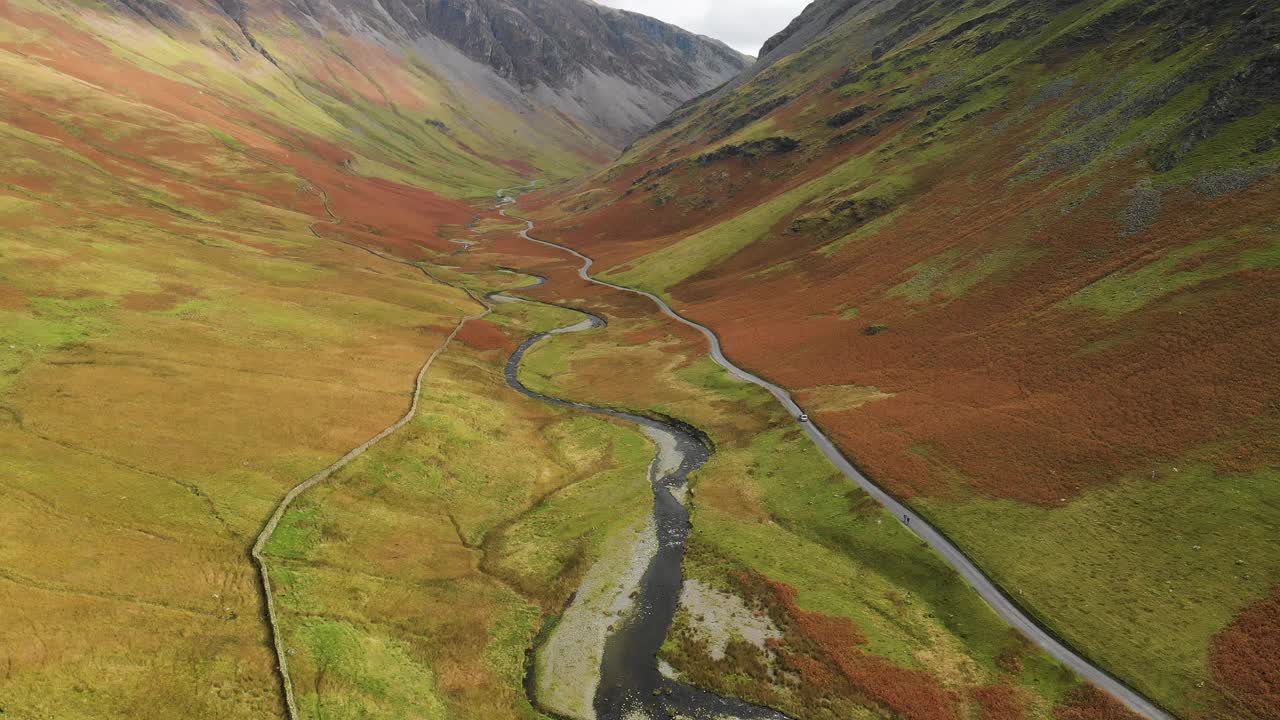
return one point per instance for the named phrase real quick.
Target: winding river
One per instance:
(630, 684)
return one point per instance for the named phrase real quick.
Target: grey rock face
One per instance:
(618, 71)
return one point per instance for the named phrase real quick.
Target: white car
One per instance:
(804, 417)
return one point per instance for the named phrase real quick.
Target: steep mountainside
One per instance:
(1021, 258)
(613, 69)
(611, 72)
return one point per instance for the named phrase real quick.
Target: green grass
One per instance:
(704, 373)
(366, 673)
(297, 533)
(442, 552)
(51, 325)
(414, 583)
(177, 350)
(176, 354)
(849, 557)
(391, 143)
(1180, 267)
(864, 231)
(283, 272)
(660, 270)
(232, 144)
(548, 545)
(953, 272)
(1098, 567)
(546, 362)
(1153, 572)
(1221, 150)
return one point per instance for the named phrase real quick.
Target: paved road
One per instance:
(995, 597)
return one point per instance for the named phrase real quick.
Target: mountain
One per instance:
(1020, 258)
(618, 71)
(611, 72)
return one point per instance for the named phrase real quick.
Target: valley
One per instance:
(539, 359)
(1007, 608)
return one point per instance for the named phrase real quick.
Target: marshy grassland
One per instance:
(1188, 583)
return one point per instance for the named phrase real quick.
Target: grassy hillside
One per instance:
(191, 323)
(1021, 260)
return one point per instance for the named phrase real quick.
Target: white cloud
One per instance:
(744, 24)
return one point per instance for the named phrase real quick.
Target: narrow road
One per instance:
(999, 601)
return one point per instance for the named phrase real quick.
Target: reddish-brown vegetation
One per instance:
(816, 644)
(1244, 660)
(1089, 703)
(484, 335)
(11, 298)
(376, 212)
(1001, 387)
(1000, 702)
(628, 228)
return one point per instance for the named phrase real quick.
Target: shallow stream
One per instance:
(630, 686)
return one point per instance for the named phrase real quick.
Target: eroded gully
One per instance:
(629, 667)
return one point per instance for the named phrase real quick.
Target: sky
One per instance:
(744, 24)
